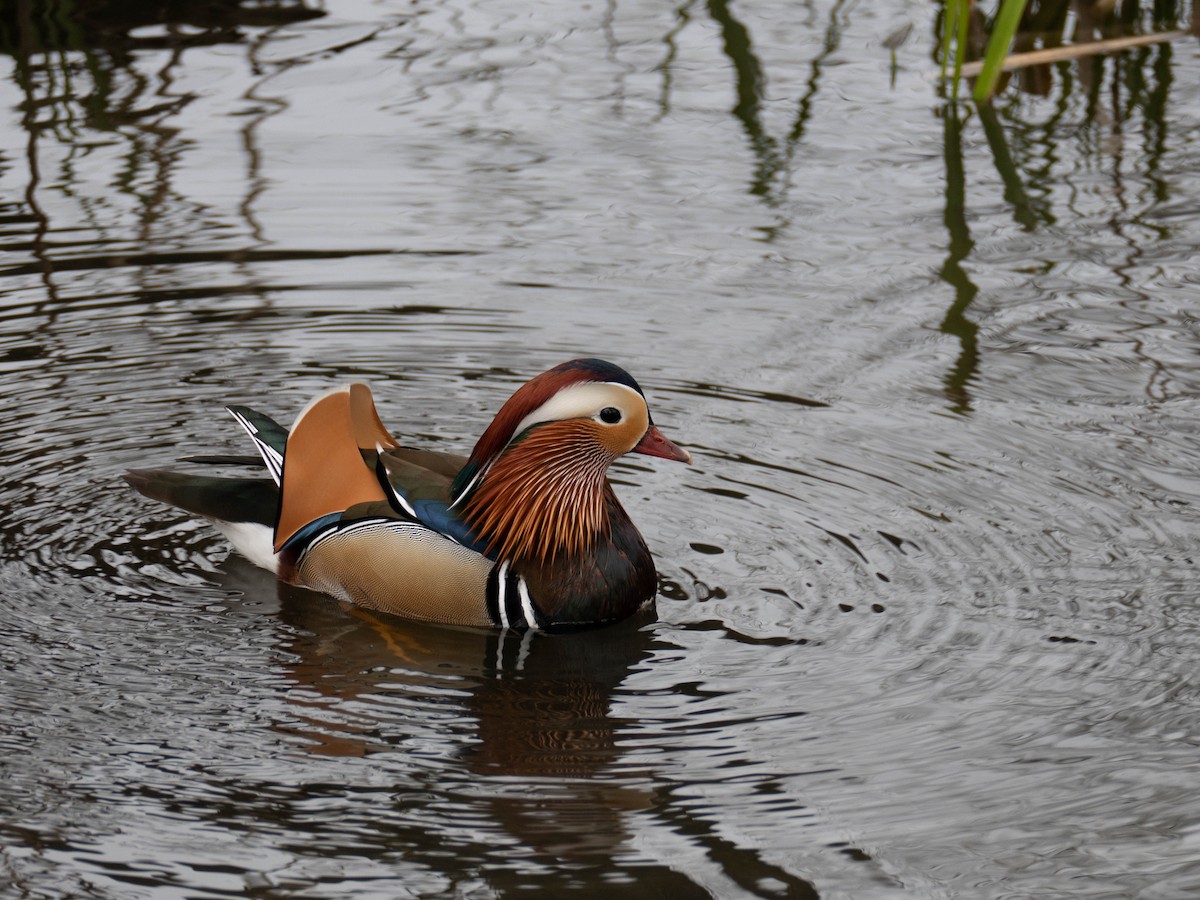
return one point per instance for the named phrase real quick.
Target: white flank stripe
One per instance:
(501, 577)
(527, 605)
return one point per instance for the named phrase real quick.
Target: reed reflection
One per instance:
(1117, 90)
(1125, 97)
(955, 322)
(100, 98)
(774, 153)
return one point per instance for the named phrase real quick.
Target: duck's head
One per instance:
(591, 406)
(557, 436)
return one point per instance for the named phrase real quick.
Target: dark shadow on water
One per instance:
(178, 258)
(110, 25)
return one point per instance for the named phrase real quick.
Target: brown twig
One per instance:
(1074, 51)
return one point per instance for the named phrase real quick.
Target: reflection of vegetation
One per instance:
(83, 66)
(1022, 152)
(54, 26)
(1026, 212)
(956, 322)
(751, 84)
(773, 153)
(56, 43)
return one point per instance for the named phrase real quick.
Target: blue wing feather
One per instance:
(438, 515)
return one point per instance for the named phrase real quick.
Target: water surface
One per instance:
(928, 621)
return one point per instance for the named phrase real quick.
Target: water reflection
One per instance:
(527, 711)
(103, 79)
(898, 652)
(773, 174)
(1026, 212)
(1138, 83)
(514, 733)
(1024, 154)
(952, 272)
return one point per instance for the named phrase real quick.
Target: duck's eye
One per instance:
(610, 415)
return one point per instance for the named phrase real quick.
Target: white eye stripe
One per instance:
(579, 401)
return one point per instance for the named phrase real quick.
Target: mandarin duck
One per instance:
(525, 533)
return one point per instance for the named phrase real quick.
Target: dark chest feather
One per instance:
(609, 584)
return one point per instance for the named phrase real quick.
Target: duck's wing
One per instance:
(422, 478)
(338, 463)
(447, 465)
(421, 474)
(323, 471)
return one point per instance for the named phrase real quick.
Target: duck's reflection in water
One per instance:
(473, 757)
(516, 726)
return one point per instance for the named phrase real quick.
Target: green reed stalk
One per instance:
(1003, 31)
(954, 31)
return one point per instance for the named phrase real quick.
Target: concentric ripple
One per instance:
(926, 623)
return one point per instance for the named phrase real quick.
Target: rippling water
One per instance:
(928, 619)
